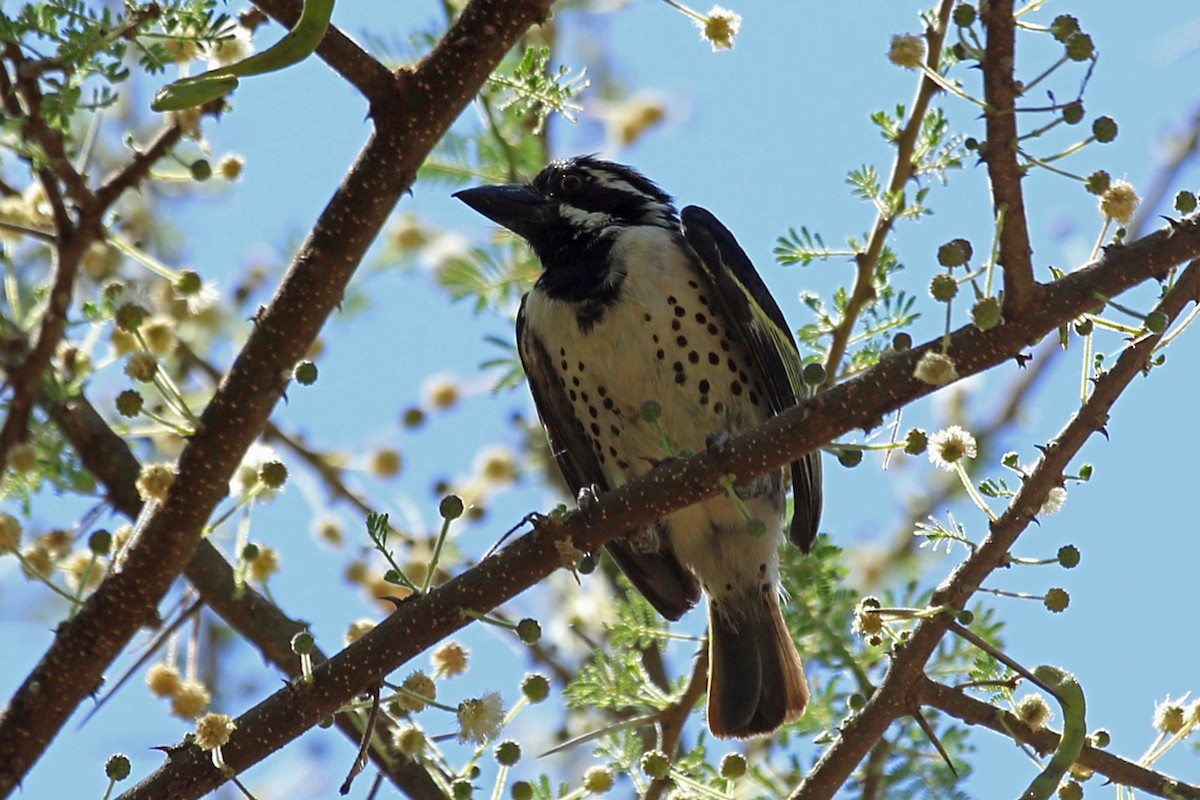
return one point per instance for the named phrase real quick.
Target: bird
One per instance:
(648, 334)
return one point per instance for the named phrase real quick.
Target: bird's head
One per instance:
(571, 213)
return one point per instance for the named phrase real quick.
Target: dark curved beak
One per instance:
(515, 206)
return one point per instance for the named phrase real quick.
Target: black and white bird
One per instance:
(640, 303)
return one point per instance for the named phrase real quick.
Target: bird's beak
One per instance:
(515, 206)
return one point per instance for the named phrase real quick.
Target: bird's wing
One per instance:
(757, 317)
(658, 574)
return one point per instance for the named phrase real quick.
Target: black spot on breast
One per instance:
(565, 366)
(681, 341)
(572, 394)
(615, 430)
(694, 357)
(595, 429)
(608, 404)
(655, 338)
(736, 388)
(729, 587)
(661, 354)
(718, 408)
(762, 569)
(562, 351)
(677, 366)
(575, 381)
(680, 378)
(594, 412)
(753, 397)
(581, 366)
(714, 359)
(676, 325)
(703, 300)
(701, 318)
(704, 387)
(680, 311)
(646, 316)
(725, 345)
(600, 390)
(712, 329)
(671, 300)
(743, 377)
(583, 396)
(693, 284)
(732, 366)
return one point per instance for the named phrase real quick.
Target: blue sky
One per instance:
(763, 136)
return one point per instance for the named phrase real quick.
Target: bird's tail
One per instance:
(755, 678)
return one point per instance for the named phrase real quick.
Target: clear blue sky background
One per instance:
(763, 136)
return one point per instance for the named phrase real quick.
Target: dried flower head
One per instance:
(449, 659)
(190, 699)
(10, 533)
(163, 680)
(949, 446)
(409, 740)
(1034, 711)
(907, 51)
(1170, 716)
(479, 719)
(1118, 202)
(720, 27)
(936, 369)
(263, 565)
(1055, 499)
(214, 730)
(154, 481)
(421, 685)
(358, 629)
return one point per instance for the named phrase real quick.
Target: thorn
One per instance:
(1103, 430)
(928, 730)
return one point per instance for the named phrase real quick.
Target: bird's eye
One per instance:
(570, 182)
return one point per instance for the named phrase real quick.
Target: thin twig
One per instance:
(902, 171)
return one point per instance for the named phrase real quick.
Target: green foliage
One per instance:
(533, 90)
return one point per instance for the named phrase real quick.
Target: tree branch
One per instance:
(897, 692)
(1116, 769)
(409, 124)
(1021, 291)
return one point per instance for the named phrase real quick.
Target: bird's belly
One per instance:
(672, 347)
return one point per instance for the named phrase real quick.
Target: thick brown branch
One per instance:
(1116, 769)
(1021, 291)
(423, 620)
(897, 692)
(409, 124)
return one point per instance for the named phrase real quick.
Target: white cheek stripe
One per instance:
(587, 220)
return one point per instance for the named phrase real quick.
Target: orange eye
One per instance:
(570, 182)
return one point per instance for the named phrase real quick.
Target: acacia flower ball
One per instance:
(949, 446)
(935, 369)
(720, 27)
